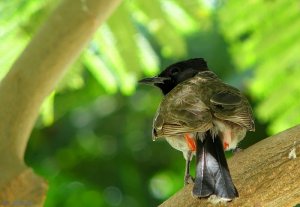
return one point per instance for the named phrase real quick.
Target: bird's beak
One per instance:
(154, 80)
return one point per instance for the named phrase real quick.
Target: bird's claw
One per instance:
(237, 150)
(188, 179)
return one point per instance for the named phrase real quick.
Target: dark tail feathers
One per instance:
(212, 172)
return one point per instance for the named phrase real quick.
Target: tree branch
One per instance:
(32, 77)
(264, 174)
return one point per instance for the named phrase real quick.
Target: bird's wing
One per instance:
(229, 104)
(182, 112)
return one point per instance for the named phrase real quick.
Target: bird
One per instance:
(201, 116)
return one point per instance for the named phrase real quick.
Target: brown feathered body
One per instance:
(200, 104)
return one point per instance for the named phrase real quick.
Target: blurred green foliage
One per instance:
(92, 141)
(263, 37)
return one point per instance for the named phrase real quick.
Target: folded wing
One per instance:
(232, 106)
(182, 113)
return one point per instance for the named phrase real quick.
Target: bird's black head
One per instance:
(176, 73)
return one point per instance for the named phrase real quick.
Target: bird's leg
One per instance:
(237, 150)
(187, 177)
(192, 148)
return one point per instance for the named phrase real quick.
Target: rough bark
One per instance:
(264, 175)
(32, 77)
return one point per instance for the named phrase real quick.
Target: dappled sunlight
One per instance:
(93, 139)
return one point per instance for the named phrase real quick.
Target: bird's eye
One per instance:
(174, 71)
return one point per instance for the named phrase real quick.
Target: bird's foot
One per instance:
(237, 150)
(188, 179)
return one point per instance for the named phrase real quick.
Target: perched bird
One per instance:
(201, 115)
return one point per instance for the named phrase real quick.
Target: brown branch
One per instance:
(32, 77)
(263, 174)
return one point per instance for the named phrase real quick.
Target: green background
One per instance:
(92, 141)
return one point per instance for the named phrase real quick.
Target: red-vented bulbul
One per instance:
(201, 115)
